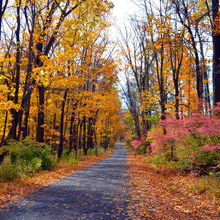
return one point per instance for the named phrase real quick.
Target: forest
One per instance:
(57, 77)
(67, 90)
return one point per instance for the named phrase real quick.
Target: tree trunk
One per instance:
(80, 134)
(5, 125)
(90, 133)
(40, 122)
(73, 130)
(27, 111)
(75, 135)
(13, 131)
(216, 52)
(72, 119)
(84, 136)
(27, 90)
(1, 3)
(60, 148)
(137, 124)
(2, 10)
(177, 99)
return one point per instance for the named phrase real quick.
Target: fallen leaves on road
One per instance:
(11, 191)
(163, 193)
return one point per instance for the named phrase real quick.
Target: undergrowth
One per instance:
(27, 157)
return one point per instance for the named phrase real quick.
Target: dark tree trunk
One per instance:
(80, 134)
(133, 110)
(27, 111)
(137, 124)
(96, 144)
(177, 99)
(72, 119)
(162, 102)
(216, 52)
(199, 75)
(176, 58)
(13, 131)
(75, 135)
(1, 5)
(90, 133)
(67, 113)
(163, 105)
(40, 122)
(146, 123)
(2, 156)
(2, 10)
(84, 136)
(5, 125)
(27, 91)
(73, 130)
(60, 148)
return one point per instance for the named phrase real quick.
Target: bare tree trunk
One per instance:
(216, 52)
(27, 111)
(1, 5)
(27, 91)
(60, 148)
(5, 125)
(40, 121)
(84, 136)
(75, 135)
(79, 134)
(2, 11)
(90, 133)
(72, 130)
(13, 131)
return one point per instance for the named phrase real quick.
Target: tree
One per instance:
(2, 11)
(216, 51)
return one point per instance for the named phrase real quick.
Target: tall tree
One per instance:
(2, 11)
(216, 50)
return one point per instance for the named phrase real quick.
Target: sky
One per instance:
(121, 11)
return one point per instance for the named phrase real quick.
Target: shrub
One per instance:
(197, 161)
(9, 171)
(141, 149)
(27, 157)
(141, 145)
(196, 142)
(91, 151)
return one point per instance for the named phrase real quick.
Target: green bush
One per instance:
(162, 158)
(26, 157)
(190, 157)
(91, 151)
(199, 161)
(30, 166)
(9, 171)
(141, 149)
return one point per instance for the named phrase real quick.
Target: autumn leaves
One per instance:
(56, 74)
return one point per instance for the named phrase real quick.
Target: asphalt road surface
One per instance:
(97, 192)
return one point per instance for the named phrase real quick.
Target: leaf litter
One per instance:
(164, 193)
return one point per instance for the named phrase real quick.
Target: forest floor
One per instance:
(13, 190)
(164, 193)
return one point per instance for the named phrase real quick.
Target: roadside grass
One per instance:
(13, 190)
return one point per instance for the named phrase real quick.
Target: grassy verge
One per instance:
(12, 190)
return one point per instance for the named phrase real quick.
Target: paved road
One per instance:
(97, 192)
